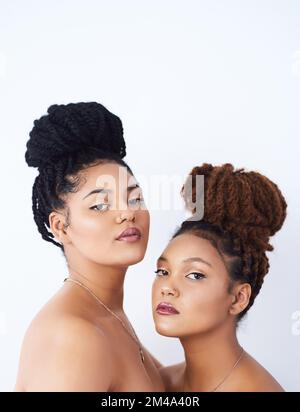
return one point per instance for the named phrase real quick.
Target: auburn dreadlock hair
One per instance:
(241, 211)
(68, 139)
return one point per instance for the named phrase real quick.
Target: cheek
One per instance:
(143, 219)
(206, 306)
(90, 230)
(208, 296)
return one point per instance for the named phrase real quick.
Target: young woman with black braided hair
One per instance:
(209, 275)
(82, 340)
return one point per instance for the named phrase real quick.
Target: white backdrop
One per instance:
(193, 81)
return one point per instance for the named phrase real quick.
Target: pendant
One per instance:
(142, 355)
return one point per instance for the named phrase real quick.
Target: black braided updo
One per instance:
(68, 139)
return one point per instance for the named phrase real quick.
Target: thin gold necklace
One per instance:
(134, 336)
(228, 374)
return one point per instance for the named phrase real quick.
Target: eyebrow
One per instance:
(102, 190)
(191, 259)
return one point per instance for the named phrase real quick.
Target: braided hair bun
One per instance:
(241, 211)
(73, 127)
(247, 204)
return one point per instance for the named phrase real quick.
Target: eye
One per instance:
(161, 272)
(135, 201)
(197, 276)
(100, 207)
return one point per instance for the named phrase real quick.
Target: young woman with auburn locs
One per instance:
(81, 339)
(209, 275)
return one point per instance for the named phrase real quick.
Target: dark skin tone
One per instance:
(73, 343)
(192, 276)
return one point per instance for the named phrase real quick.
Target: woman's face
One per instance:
(108, 202)
(192, 277)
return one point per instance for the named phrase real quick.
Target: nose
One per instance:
(167, 291)
(128, 215)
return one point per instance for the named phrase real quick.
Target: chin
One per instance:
(135, 254)
(169, 332)
(166, 328)
(131, 258)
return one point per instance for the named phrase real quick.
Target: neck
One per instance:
(209, 358)
(106, 282)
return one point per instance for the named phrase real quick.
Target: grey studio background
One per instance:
(192, 81)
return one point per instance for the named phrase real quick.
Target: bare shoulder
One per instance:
(172, 376)
(65, 353)
(253, 377)
(262, 380)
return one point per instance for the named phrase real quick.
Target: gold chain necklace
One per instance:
(229, 373)
(134, 336)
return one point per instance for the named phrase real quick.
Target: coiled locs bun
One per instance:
(241, 211)
(68, 139)
(69, 128)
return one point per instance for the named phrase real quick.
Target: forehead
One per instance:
(110, 176)
(189, 245)
(107, 174)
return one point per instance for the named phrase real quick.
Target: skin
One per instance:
(74, 343)
(206, 323)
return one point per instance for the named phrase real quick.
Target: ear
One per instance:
(240, 298)
(57, 222)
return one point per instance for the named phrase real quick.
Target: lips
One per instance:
(130, 235)
(165, 308)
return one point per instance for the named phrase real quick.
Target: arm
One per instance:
(77, 358)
